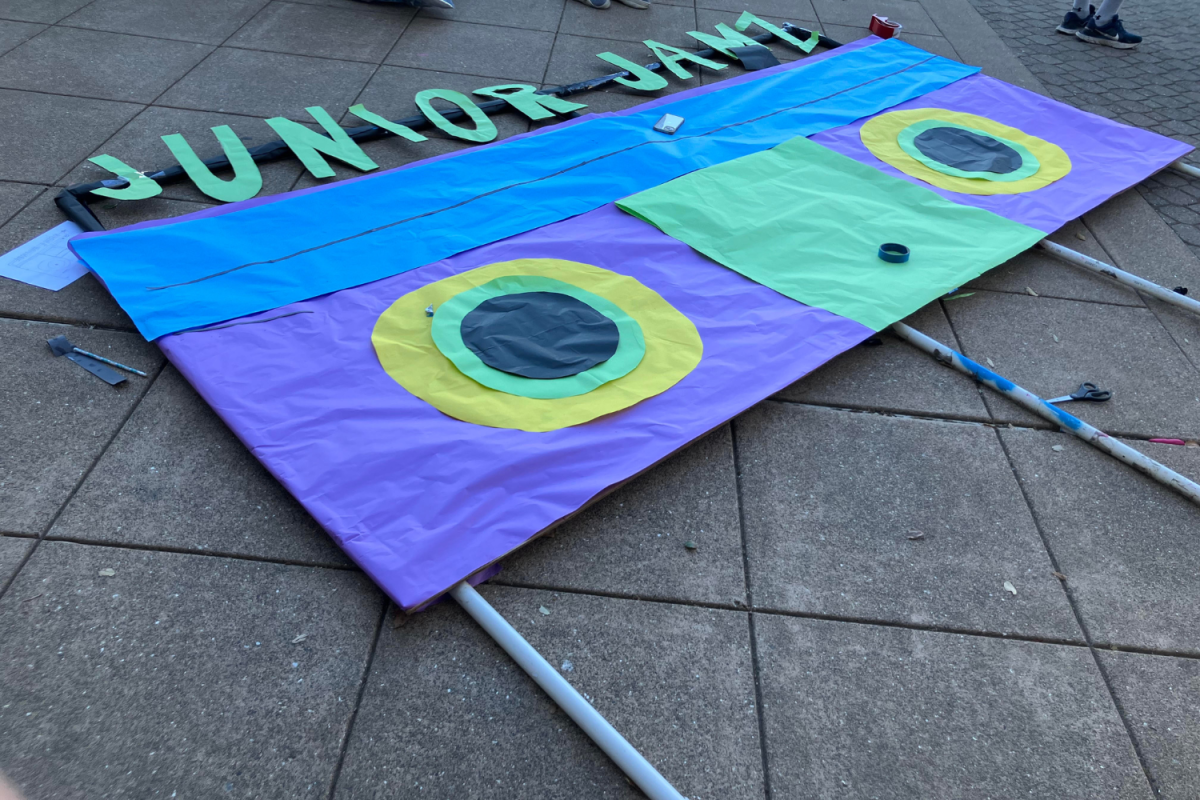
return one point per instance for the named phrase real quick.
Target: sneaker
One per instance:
(599, 4)
(1113, 34)
(1073, 23)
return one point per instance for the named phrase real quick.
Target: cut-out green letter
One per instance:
(246, 181)
(308, 145)
(729, 38)
(647, 81)
(404, 131)
(140, 187)
(524, 98)
(747, 19)
(671, 56)
(485, 129)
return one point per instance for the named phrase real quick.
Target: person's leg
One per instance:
(1108, 9)
(1105, 28)
(1076, 18)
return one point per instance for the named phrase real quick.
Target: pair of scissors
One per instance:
(1086, 391)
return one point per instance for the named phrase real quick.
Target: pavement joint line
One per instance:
(24, 206)
(74, 96)
(755, 662)
(118, 33)
(1187, 356)
(362, 689)
(1040, 295)
(183, 551)
(1079, 620)
(83, 478)
(67, 323)
(916, 415)
(768, 611)
(887, 412)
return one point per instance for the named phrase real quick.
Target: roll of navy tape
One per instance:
(893, 252)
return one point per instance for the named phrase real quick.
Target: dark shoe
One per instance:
(1111, 35)
(597, 4)
(1073, 23)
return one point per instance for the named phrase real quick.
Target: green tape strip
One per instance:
(447, 335)
(1029, 163)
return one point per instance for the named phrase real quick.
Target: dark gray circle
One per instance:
(540, 335)
(968, 151)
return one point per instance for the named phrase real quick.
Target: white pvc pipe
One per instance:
(1184, 168)
(1120, 275)
(1030, 401)
(631, 762)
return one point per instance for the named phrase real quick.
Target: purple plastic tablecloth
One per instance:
(420, 500)
(1106, 157)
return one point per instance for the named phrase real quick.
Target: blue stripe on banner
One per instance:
(201, 271)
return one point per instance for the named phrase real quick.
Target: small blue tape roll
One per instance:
(893, 252)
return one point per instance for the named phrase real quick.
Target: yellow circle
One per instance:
(879, 135)
(405, 348)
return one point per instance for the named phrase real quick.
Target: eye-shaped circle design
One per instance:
(404, 342)
(893, 138)
(448, 327)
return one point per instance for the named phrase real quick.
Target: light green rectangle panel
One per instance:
(808, 222)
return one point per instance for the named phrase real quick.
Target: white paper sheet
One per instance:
(45, 261)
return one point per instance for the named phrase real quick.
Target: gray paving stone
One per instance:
(535, 15)
(638, 533)
(13, 33)
(178, 673)
(488, 50)
(447, 714)
(209, 22)
(574, 59)
(43, 136)
(858, 13)
(981, 46)
(1184, 327)
(12, 552)
(760, 8)
(109, 66)
(57, 418)
(895, 376)
(361, 34)
(269, 84)
(662, 23)
(140, 145)
(176, 477)
(1141, 243)
(1125, 542)
(1050, 277)
(1158, 695)
(707, 18)
(41, 10)
(831, 498)
(14, 197)
(392, 89)
(1118, 348)
(873, 712)
(85, 301)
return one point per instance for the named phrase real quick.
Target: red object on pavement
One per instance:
(883, 27)
(1169, 441)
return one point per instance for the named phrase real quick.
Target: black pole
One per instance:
(73, 200)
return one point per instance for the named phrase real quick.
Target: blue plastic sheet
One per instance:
(202, 271)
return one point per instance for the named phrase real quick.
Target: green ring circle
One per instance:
(1029, 163)
(447, 336)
